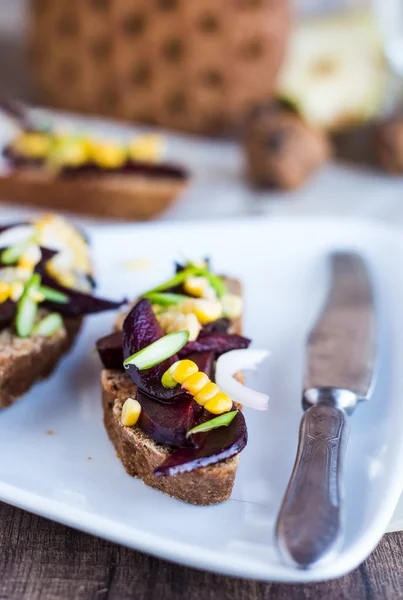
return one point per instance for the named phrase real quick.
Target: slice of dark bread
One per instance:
(140, 455)
(119, 196)
(24, 361)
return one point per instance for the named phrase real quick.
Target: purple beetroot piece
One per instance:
(209, 448)
(140, 329)
(110, 350)
(167, 423)
(79, 303)
(221, 325)
(7, 313)
(216, 342)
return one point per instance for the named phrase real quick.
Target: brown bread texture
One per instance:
(134, 197)
(140, 455)
(25, 361)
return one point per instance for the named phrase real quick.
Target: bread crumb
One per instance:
(50, 432)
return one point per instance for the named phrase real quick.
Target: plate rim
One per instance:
(188, 554)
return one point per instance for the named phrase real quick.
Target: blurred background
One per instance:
(296, 101)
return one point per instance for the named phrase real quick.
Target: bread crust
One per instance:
(140, 455)
(25, 361)
(119, 196)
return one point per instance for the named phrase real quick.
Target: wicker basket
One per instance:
(196, 65)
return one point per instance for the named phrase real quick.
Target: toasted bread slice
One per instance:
(119, 196)
(24, 361)
(140, 455)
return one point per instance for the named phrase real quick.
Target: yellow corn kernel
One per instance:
(67, 152)
(30, 258)
(156, 308)
(66, 278)
(207, 310)
(218, 404)
(41, 224)
(23, 263)
(148, 147)
(184, 369)
(192, 326)
(5, 289)
(32, 144)
(171, 321)
(199, 287)
(201, 263)
(231, 305)
(108, 155)
(209, 391)
(16, 290)
(185, 307)
(55, 232)
(195, 382)
(131, 410)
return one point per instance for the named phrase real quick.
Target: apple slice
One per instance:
(335, 72)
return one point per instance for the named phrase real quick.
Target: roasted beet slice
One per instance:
(210, 448)
(140, 329)
(215, 342)
(110, 350)
(205, 362)
(220, 326)
(7, 313)
(168, 423)
(48, 254)
(79, 303)
(148, 169)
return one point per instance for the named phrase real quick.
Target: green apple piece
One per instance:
(335, 73)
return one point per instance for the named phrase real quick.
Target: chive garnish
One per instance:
(49, 325)
(174, 281)
(27, 307)
(11, 254)
(158, 351)
(53, 295)
(216, 282)
(220, 421)
(165, 299)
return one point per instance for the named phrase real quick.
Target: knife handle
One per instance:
(309, 524)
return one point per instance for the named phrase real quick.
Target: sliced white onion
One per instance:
(237, 360)
(13, 236)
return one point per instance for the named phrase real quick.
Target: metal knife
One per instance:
(341, 354)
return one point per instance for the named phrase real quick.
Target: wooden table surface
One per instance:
(42, 560)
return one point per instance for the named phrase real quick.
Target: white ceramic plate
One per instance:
(58, 462)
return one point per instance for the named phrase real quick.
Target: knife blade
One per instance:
(340, 365)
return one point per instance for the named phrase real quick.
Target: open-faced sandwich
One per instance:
(78, 173)
(172, 407)
(46, 284)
